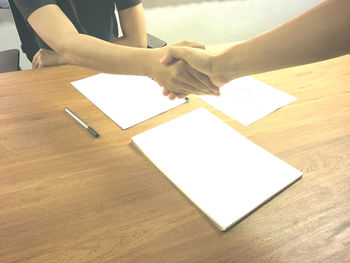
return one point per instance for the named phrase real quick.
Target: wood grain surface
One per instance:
(68, 197)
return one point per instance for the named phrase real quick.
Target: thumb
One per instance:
(172, 54)
(166, 59)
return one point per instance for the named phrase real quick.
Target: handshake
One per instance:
(181, 69)
(187, 68)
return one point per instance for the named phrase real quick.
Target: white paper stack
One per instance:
(127, 100)
(226, 175)
(247, 100)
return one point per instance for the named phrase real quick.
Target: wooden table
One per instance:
(68, 197)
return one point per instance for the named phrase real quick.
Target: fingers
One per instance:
(172, 53)
(200, 84)
(191, 88)
(35, 60)
(185, 80)
(33, 63)
(188, 43)
(176, 95)
(198, 59)
(46, 58)
(205, 84)
(166, 92)
(172, 96)
(186, 71)
(197, 82)
(166, 59)
(180, 95)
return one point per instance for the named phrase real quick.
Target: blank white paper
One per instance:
(248, 100)
(127, 100)
(222, 172)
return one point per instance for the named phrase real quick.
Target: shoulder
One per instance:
(26, 7)
(124, 4)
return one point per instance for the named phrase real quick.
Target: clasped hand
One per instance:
(199, 64)
(180, 78)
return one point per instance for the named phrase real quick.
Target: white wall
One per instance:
(220, 22)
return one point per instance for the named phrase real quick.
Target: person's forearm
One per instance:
(318, 34)
(99, 55)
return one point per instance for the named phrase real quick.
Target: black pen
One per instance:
(89, 129)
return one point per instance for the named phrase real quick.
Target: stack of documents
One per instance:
(226, 175)
(127, 100)
(248, 100)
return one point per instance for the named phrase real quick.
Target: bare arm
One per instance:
(320, 33)
(133, 25)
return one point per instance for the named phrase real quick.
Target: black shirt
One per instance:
(92, 17)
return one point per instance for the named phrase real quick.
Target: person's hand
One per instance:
(198, 59)
(46, 58)
(178, 77)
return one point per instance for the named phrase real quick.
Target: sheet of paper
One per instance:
(226, 175)
(248, 100)
(127, 100)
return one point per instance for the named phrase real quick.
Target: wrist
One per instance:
(152, 62)
(216, 64)
(230, 63)
(142, 62)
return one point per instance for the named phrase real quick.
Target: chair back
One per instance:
(26, 34)
(9, 60)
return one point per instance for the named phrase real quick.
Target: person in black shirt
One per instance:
(84, 33)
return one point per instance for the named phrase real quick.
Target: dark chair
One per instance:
(154, 42)
(30, 47)
(9, 60)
